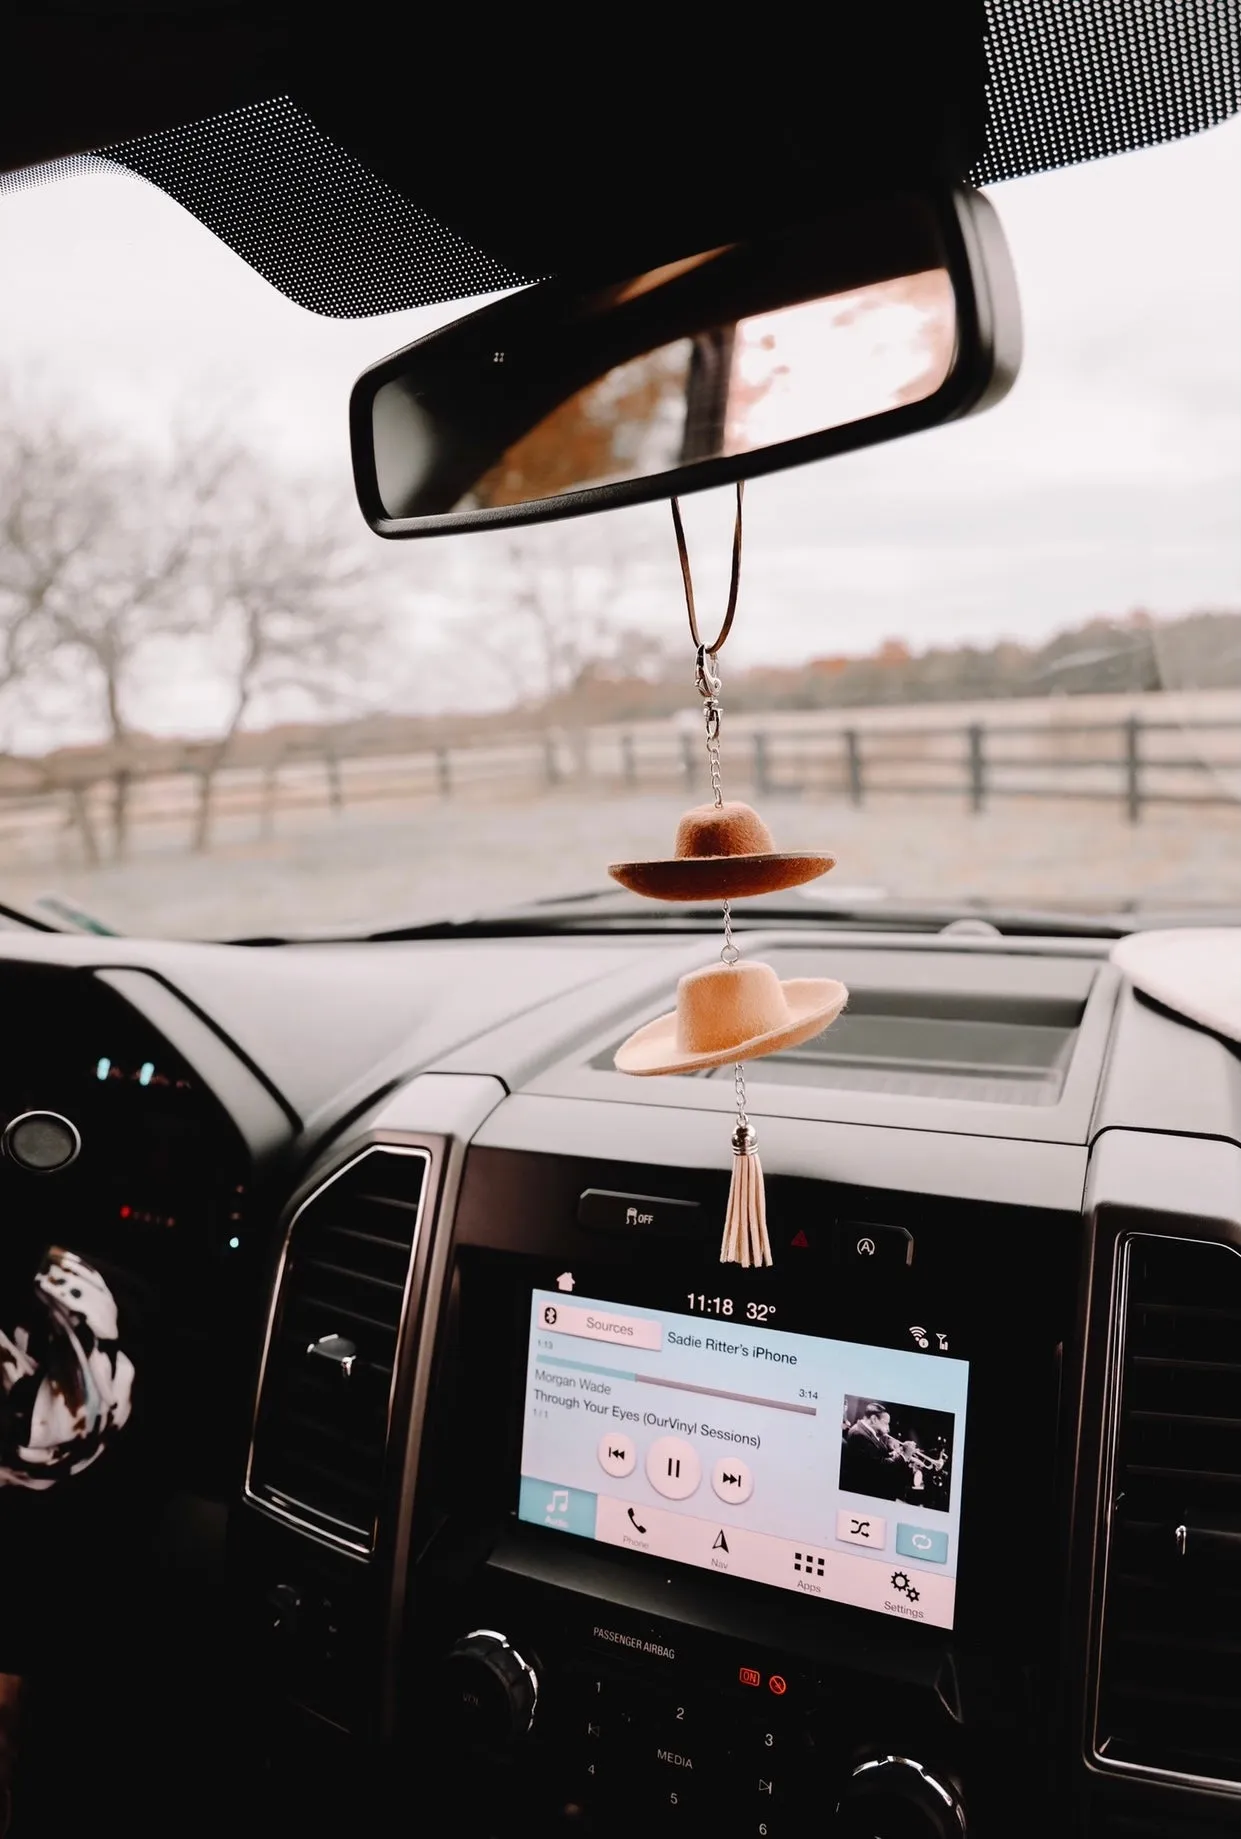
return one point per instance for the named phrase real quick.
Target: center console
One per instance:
(704, 1544)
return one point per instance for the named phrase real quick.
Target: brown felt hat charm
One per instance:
(723, 852)
(731, 1012)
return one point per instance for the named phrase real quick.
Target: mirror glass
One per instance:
(770, 378)
(723, 354)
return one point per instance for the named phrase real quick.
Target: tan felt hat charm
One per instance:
(722, 852)
(730, 1011)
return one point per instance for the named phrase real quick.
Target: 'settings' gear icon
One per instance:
(901, 1581)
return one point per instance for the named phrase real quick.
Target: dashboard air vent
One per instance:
(329, 1371)
(1169, 1696)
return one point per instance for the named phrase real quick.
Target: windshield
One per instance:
(996, 663)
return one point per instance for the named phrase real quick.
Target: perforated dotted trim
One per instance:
(72, 166)
(1072, 80)
(309, 217)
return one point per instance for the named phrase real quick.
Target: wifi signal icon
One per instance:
(921, 1337)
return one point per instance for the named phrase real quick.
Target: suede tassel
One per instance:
(745, 1224)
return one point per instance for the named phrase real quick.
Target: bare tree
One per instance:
(108, 549)
(286, 595)
(98, 543)
(42, 534)
(135, 583)
(561, 612)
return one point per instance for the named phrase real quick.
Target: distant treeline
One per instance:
(1137, 653)
(1199, 651)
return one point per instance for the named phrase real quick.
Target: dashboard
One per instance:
(466, 1464)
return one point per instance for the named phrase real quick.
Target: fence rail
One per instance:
(1132, 763)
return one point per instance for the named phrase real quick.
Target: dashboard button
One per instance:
(676, 1722)
(857, 1527)
(41, 1142)
(767, 1745)
(602, 1210)
(618, 1454)
(673, 1468)
(732, 1480)
(925, 1542)
(864, 1246)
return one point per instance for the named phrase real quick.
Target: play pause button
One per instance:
(617, 1454)
(673, 1468)
(732, 1481)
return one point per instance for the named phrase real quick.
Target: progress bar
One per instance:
(683, 1385)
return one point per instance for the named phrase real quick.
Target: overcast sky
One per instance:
(1110, 479)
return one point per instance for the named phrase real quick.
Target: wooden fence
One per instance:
(1130, 761)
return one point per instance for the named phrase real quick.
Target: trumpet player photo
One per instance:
(894, 1452)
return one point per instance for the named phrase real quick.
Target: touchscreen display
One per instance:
(829, 1468)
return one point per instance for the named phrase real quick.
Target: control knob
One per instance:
(893, 1797)
(492, 1691)
(41, 1142)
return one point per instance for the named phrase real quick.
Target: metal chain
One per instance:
(707, 680)
(728, 951)
(743, 1122)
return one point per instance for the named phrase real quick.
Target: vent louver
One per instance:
(1169, 1694)
(325, 1397)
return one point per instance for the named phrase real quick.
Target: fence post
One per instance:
(762, 775)
(1133, 768)
(629, 764)
(853, 759)
(978, 767)
(551, 765)
(271, 790)
(689, 759)
(443, 771)
(335, 794)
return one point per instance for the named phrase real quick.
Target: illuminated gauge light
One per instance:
(102, 1068)
(146, 1072)
(141, 1217)
(234, 1244)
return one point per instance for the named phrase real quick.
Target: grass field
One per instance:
(363, 871)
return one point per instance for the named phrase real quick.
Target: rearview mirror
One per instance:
(885, 318)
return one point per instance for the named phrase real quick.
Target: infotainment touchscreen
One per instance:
(828, 1468)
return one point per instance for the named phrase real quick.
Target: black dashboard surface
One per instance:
(324, 1030)
(217, 1086)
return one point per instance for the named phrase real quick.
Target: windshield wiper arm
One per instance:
(52, 913)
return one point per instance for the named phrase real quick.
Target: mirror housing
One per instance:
(573, 396)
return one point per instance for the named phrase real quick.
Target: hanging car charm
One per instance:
(732, 1011)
